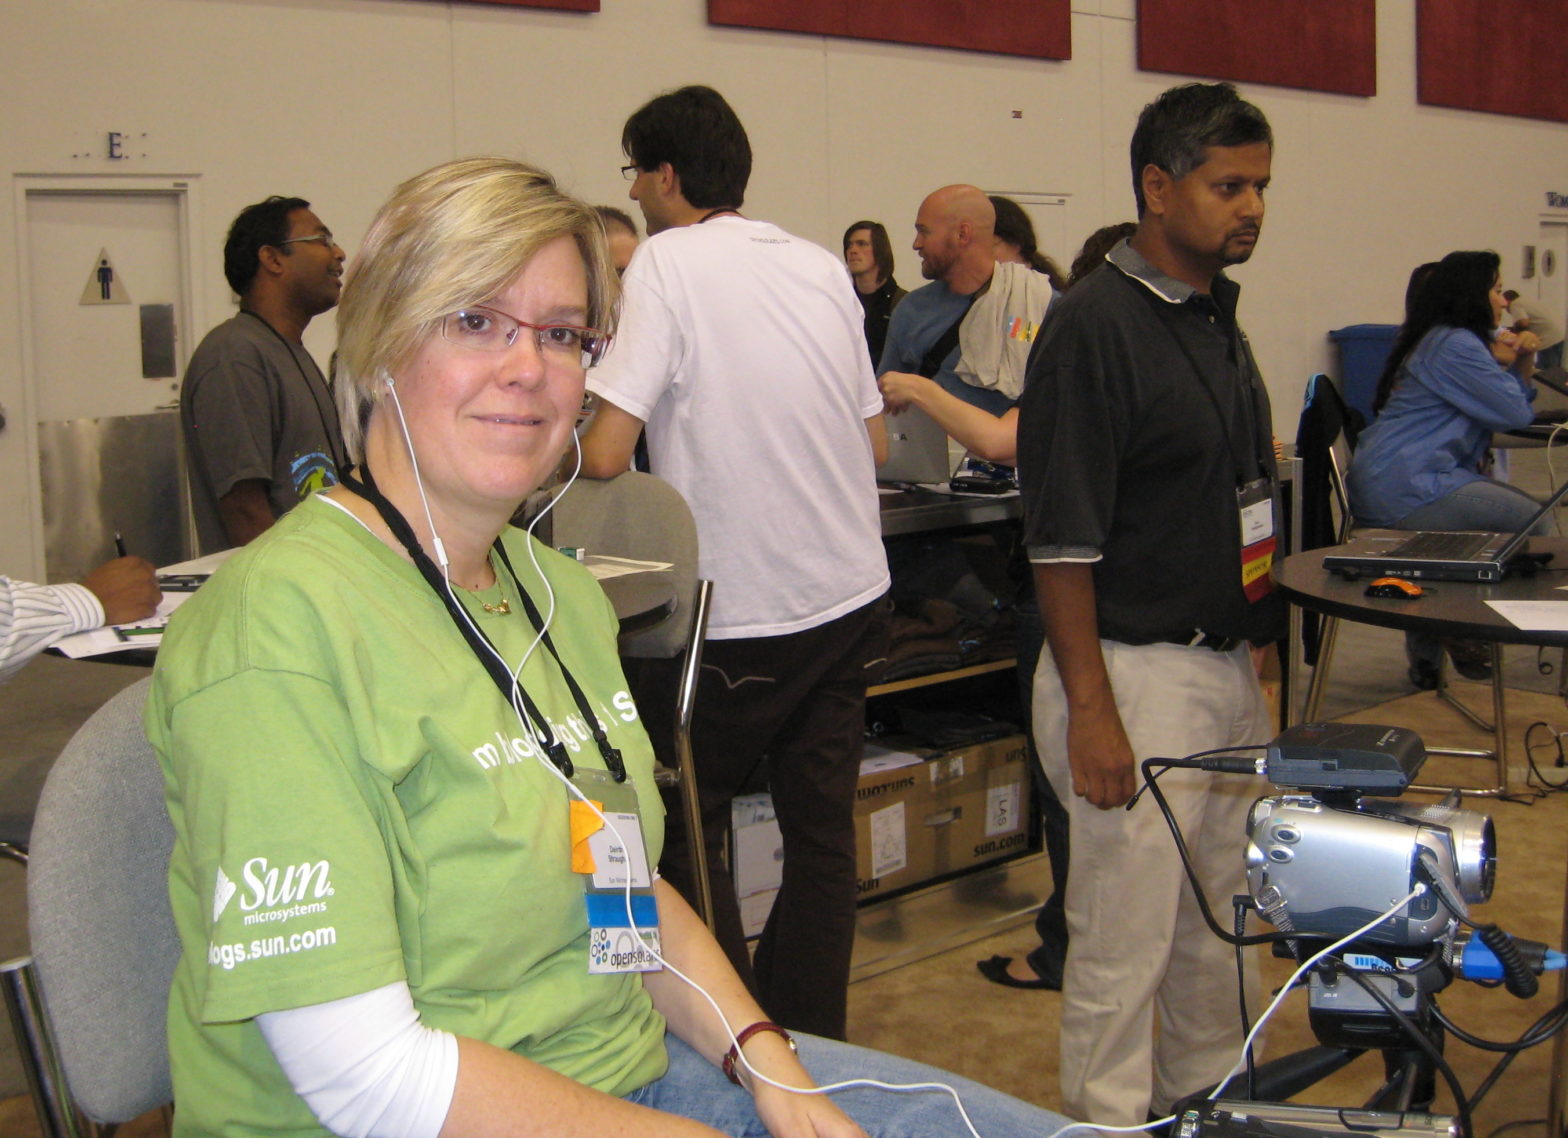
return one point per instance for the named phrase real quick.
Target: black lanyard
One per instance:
(489, 658)
(1239, 350)
(333, 436)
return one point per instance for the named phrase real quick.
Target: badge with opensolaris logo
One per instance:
(621, 950)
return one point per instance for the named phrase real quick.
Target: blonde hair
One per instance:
(456, 235)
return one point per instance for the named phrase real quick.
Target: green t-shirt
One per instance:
(354, 804)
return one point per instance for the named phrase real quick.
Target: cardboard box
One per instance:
(940, 813)
(756, 858)
(918, 815)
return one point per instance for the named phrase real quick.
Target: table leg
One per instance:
(1557, 1097)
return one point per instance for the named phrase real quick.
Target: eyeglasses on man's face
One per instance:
(490, 330)
(630, 172)
(324, 238)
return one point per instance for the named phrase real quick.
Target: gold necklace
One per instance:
(502, 609)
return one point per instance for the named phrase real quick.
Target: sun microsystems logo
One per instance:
(222, 893)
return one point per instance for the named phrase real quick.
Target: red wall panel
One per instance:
(1038, 28)
(565, 5)
(1493, 55)
(1317, 45)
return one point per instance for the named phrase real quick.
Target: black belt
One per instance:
(1213, 641)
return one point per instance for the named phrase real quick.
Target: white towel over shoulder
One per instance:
(1000, 328)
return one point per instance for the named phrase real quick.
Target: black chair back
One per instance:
(1325, 417)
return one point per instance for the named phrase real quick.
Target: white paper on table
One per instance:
(603, 566)
(1534, 616)
(138, 634)
(201, 566)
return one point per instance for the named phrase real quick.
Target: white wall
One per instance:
(336, 100)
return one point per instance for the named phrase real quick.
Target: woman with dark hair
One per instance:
(1096, 246)
(868, 254)
(1450, 382)
(1015, 241)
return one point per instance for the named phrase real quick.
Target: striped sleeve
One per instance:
(32, 617)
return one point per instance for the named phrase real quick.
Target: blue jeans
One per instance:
(1484, 504)
(696, 1089)
(1480, 505)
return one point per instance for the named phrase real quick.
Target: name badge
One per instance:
(610, 854)
(618, 852)
(1255, 504)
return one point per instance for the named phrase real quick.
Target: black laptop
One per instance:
(1437, 555)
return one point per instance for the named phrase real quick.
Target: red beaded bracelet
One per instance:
(732, 1056)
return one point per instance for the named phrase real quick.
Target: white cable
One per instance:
(1551, 469)
(1290, 984)
(574, 791)
(534, 732)
(419, 484)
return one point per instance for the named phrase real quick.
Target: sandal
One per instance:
(995, 970)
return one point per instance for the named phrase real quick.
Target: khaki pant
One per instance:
(1149, 1011)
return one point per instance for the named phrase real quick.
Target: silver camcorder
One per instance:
(1324, 863)
(1324, 871)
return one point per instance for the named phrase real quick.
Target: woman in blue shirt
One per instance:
(1450, 382)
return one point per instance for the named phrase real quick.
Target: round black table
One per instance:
(1447, 608)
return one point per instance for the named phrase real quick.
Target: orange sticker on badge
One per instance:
(585, 823)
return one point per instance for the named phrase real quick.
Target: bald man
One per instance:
(956, 349)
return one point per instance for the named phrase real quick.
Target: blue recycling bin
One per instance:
(1363, 350)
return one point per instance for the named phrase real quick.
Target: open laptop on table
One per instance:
(916, 449)
(1438, 555)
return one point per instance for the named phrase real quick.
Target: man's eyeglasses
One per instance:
(630, 172)
(491, 330)
(324, 238)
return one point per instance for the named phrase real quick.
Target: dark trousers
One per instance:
(787, 712)
(1050, 923)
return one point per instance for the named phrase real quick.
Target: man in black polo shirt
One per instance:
(1149, 488)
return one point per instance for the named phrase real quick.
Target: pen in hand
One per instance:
(119, 545)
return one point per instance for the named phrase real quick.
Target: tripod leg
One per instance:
(1289, 1075)
(1411, 1082)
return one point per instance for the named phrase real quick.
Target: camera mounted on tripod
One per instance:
(1324, 862)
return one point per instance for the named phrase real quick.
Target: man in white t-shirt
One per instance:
(740, 349)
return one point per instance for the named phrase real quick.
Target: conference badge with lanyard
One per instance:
(608, 851)
(1254, 496)
(610, 855)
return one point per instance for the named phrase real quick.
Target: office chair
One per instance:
(89, 1005)
(639, 516)
(1325, 437)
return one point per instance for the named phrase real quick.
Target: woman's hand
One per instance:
(1526, 344)
(789, 1114)
(902, 389)
(1505, 347)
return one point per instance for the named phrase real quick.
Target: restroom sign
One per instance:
(103, 283)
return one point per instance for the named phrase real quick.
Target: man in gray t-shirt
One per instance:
(261, 429)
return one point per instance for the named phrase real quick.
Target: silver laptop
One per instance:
(916, 449)
(1436, 555)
